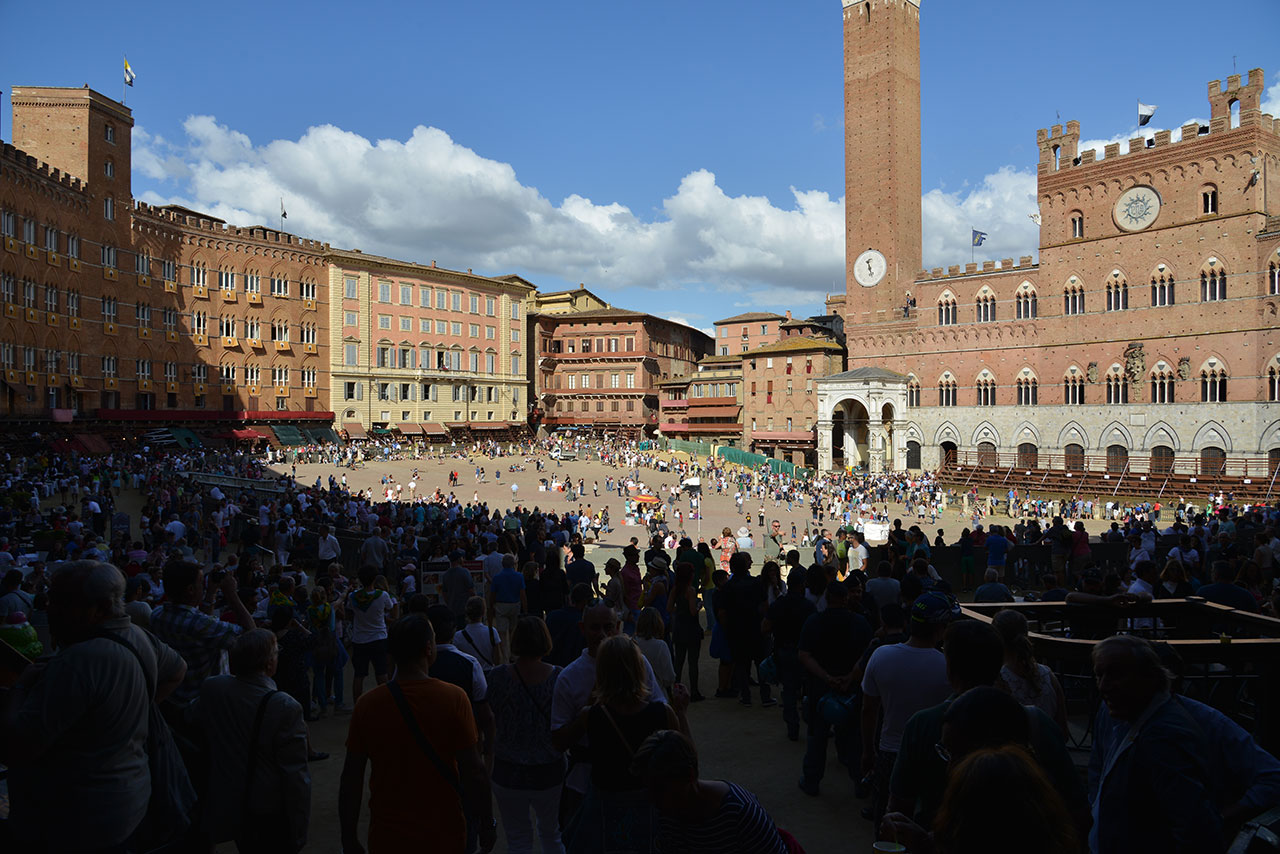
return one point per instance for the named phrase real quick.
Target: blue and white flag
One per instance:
(978, 237)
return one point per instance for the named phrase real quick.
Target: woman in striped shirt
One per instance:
(698, 816)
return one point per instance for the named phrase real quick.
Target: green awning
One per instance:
(289, 435)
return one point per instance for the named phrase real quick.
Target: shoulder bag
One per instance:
(449, 775)
(173, 798)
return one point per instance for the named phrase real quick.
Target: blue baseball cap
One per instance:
(934, 607)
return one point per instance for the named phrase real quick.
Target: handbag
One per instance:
(173, 798)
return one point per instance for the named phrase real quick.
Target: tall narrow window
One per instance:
(1213, 285)
(1209, 200)
(1213, 385)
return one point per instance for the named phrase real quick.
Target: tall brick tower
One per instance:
(882, 156)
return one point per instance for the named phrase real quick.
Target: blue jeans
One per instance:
(848, 744)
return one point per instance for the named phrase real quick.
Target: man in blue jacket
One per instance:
(1150, 779)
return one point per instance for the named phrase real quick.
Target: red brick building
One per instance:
(599, 368)
(118, 312)
(704, 405)
(780, 401)
(1144, 340)
(744, 332)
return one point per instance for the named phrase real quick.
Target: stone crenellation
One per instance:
(41, 169)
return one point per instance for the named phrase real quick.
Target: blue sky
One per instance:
(684, 158)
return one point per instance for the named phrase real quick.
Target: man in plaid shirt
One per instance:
(199, 637)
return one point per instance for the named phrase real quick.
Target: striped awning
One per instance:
(409, 428)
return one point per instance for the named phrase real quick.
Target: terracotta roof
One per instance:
(795, 344)
(750, 316)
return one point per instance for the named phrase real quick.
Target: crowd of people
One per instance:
(518, 687)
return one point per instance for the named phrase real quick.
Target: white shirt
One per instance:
(492, 565)
(370, 623)
(476, 640)
(858, 557)
(906, 679)
(573, 694)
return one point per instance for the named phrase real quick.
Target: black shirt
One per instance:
(567, 641)
(787, 615)
(836, 639)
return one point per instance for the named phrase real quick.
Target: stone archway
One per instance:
(866, 404)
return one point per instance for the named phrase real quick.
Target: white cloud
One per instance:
(1099, 145)
(1000, 206)
(1271, 97)
(429, 198)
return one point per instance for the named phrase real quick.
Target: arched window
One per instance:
(1273, 278)
(1208, 200)
(1162, 287)
(1117, 458)
(1162, 385)
(986, 454)
(986, 391)
(1117, 292)
(1028, 455)
(1213, 385)
(1161, 459)
(1213, 284)
(1073, 390)
(1073, 300)
(1213, 460)
(1117, 386)
(985, 307)
(1077, 225)
(913, 392)
(1073, 457)
(947, 392)
(1025, 303)
(946, 310)
(1273, 384)
(1028, 391)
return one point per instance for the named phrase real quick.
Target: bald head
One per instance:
(598, 622)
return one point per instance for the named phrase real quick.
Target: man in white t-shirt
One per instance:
(328, 549)
(368, 608)
(858, 553)
(902, 679)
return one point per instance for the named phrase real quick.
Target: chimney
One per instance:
(788, 314)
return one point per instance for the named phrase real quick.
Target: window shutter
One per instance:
(359, 391)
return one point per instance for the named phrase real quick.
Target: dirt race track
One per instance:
(745, 745)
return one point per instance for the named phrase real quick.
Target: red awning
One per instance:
(355, 430)
(714, 412)
(94, 444)
(456, 425)
(489, 425)
(431, 428)
(242, 433)
(409, 428)
(783, 436)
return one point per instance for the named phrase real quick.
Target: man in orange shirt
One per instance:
(427, 776)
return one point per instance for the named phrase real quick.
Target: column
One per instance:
(824, 445)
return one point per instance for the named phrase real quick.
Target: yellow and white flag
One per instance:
(128, 73)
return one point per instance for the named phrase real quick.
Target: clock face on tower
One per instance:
(1137, 208)
(870, 268)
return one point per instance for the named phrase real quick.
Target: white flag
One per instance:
(1145, 112)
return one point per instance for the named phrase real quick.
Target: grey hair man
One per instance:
(260, 738)
(75, 728)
